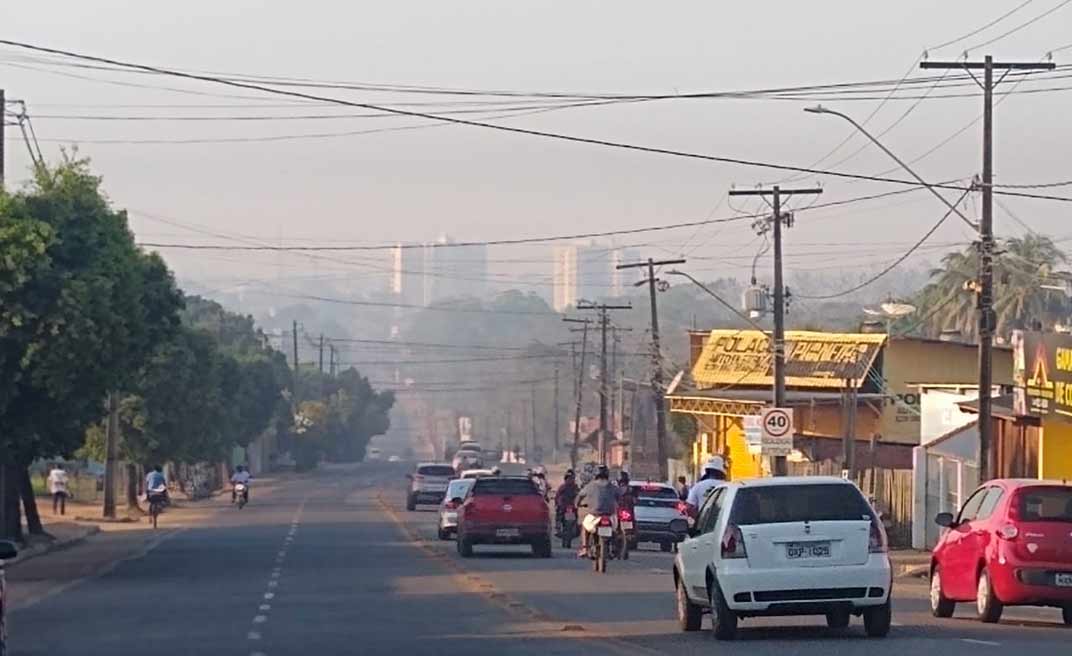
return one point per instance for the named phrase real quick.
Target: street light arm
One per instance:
(819, 109)
(718, 298)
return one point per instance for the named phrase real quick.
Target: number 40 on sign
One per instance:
(777, 435)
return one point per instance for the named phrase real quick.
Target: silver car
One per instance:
(448, 509)
(659, 515)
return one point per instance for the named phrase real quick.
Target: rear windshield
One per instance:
(503, 486)
(436, 470)
(775, 504)
(458, 488)
(654, 492)
(1045, 504)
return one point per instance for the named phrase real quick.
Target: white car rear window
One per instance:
(776, 504)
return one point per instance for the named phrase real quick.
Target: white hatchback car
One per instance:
(784, 546)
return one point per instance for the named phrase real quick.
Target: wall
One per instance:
(909, 361)
(939, 412)
(1055, 461)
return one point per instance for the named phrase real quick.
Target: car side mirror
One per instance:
(409, 476)
(945, 520)
(8, 550)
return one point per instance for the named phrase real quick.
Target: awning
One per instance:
(1000, 406)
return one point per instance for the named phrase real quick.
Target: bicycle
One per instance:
(156, 506)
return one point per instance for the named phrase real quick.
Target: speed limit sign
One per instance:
(777, 437)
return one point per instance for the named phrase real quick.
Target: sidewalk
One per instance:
(910, 563)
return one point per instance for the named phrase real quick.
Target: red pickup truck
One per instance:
(504, 510)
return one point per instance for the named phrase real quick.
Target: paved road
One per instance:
(328, 564)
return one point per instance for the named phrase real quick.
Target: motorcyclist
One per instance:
(566, 495)
(241, 475)
(598, 498)
(626, 499)
(714, 476)
(539, 476)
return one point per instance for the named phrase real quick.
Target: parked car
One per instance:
(785, 546)
(1010, 545)
(448, 509)
(467, 459)
(659, 516)
(504, 510)
(428, 483)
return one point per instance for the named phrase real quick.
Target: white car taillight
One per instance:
(733, 543)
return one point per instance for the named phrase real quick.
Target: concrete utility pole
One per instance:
(579, 391)
(776, 193)
(985, 299)
(321, 352)
(295, 336)
(556, 411)
(111, 455)
(532, 405)
(657, 382)
(848, 445)
(604, 322)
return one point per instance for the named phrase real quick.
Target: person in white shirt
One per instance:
(714, 476)
(242, 476)
(57, 487)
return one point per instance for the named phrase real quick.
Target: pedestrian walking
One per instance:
(57, 486)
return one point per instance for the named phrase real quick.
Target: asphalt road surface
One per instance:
(331, 563)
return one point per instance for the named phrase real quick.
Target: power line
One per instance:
(892, 265)
(491, 126)
(1018, 27)
(984, 27)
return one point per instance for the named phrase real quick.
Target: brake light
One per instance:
(683, 508)
(625, 515)
(604, 521)
(733, 543)
(877, 542)
(1008, 532)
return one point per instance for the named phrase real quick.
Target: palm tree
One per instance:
(1021, 265)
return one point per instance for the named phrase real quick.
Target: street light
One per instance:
(819, 109)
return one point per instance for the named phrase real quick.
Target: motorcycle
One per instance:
(241, 494)
(567, 527)
(600, 548)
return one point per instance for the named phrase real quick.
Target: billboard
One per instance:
(812, 359)
(1042, 372)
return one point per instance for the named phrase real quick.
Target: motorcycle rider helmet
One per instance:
(603, 472)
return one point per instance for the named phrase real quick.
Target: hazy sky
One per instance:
(479, 184)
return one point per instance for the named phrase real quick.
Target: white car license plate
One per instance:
(627, 526)
(507, 533)
(801, 550)
(1063, 580)
(605, 531)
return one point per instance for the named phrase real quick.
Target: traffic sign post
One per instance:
(753, 433)
(777, 431)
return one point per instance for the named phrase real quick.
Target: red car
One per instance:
(504, 510)
(1010, 545)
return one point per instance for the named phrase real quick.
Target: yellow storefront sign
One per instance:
(813, 359)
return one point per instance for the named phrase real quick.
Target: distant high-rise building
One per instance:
(407, 275)
(422, 274)
(587, 272)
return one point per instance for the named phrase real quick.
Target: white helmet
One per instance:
(715, 463)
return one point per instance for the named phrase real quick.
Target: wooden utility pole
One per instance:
(604, 394)
(985, 299)
(657, 381)
(579, 391)
(779, 466)
(111, 455)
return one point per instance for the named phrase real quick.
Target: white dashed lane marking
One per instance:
(261, 618)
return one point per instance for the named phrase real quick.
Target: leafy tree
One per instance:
(83, 313)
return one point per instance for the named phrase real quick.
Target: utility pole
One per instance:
(848, 444)
(295, 335)
(779, 466)
(111, 455)
(985, 299)
(532, 405)
(3, 119)
(656, 358)
(580, 390)
(321, 352)
(604, 322)
(556, 410)
(332, 367)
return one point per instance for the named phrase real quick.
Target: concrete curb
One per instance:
(55, 545)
